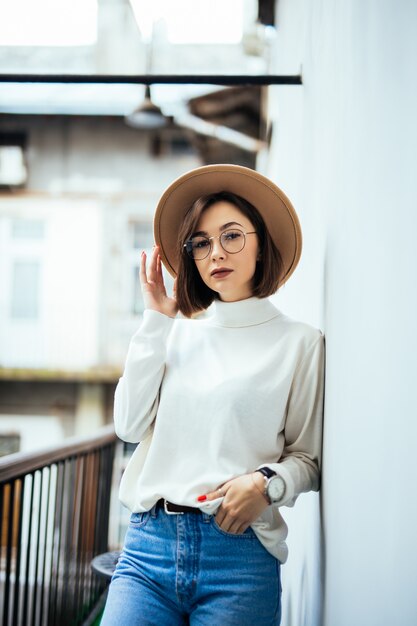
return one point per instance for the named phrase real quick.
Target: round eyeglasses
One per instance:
(232, 241)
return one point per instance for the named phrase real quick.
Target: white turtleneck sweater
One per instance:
(211, 399)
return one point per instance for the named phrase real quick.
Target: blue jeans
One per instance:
(183, 569)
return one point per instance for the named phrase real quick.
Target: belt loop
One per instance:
(154, 511)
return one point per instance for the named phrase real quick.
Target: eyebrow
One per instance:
(203, 233)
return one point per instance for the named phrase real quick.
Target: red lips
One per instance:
(221, 271)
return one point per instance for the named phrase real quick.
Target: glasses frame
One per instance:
(219, 237)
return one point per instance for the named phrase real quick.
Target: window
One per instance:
(25, 290)
(141, 238)
(48, 23)
(211, 22)
(141, 235)
(27, 229)
(13, 169)
(9, 444)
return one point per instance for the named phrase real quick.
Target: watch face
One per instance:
(276, 488)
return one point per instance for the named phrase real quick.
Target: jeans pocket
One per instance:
(138, 520)
(247, 534)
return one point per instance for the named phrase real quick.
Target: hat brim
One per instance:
(275, 208)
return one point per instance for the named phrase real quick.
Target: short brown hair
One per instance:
(193, 295)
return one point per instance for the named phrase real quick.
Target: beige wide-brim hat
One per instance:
(277, 211)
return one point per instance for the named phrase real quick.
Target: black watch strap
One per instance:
(266, 471)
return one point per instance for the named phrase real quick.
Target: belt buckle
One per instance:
(171, 512)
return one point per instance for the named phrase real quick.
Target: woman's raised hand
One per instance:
(153, 287)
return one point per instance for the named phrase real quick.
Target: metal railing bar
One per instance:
(37, 539)
(78, 527)
(55, 555)
(78, 552)
(48, 493)
(93, 518)
(87, 556)
(16, 465)
(105, 485)
(1, 524)
(25, 612)
(8, 554)
(91, 591)
(68, 579)
(63, 560)
(105, 456)
(16, 596)
(87, 504)
(95, 584)
(107, 491)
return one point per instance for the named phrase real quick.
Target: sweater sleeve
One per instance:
(137, 392)
(300, 462)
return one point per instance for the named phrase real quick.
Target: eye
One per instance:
(232, 235)
(199, 243)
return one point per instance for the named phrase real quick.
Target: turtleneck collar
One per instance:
(249, 312)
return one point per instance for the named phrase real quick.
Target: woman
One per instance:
(227, 407)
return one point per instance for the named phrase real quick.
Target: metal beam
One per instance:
(156, 79)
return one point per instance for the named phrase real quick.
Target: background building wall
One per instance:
(70, 245)
(82, 221)
(56, 325)
(344, 150)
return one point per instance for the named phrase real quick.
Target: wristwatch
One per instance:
(274, 489)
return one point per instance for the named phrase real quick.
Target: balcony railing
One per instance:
(54, 518)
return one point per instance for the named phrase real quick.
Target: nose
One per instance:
(217, 251)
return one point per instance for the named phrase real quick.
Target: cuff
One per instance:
(289, 495)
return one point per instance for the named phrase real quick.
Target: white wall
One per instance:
(36, 431)
(64, 333)
(344, 150)
(89, 179)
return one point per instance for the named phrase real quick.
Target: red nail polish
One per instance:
(202, 498)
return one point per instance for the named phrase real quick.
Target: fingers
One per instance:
(159, 267)
(212, 495)
(224, 520)
(230, 524)
(153, 265)
(146, 277)
(220, 492)
(142, 270)
(233, 528)
(154, 272)
(240, 506)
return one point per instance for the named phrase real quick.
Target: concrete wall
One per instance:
(89, 180)
(120, 47)
(344, 150)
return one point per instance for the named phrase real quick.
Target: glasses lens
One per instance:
(198, 247)
(232, 240)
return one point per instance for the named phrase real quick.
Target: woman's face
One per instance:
(230, 275)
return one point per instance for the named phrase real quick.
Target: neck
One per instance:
(248, 312)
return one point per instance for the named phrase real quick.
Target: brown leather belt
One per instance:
(176, 509)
